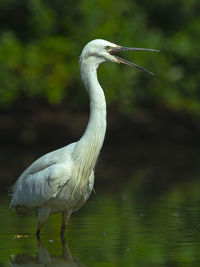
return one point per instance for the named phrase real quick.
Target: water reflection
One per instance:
(44, 258)
(149, 215)
(120, 229)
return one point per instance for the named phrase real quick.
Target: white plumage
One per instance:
(62, 180)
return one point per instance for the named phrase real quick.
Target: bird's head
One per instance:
(99, 51)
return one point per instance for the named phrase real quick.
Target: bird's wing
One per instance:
(62, 155)
(38, 182)
(37, 188)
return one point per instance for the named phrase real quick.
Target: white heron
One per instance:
(61, 181)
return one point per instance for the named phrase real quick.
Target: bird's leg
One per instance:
(38, 229)
(38, 234)
(43, 214)
(65, 250)
(65, 218)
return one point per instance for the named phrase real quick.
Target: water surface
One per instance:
(113, 229)
(147, 217)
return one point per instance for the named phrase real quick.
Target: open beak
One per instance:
(124, 61)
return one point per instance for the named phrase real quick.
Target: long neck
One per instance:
(89, 146)
(95, 131)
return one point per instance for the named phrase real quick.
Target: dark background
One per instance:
(43, 103)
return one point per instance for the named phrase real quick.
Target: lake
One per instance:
(148, 217)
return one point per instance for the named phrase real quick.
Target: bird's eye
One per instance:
(108, 47)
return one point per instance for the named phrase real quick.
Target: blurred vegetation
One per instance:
(40, 42)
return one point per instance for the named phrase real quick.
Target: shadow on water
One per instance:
(44, 258)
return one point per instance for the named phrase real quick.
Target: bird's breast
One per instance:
(71, 197)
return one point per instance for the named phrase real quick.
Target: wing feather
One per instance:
(43, 179)
(40, 187)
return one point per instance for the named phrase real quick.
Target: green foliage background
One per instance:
(40, 42)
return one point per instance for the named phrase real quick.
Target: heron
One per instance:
(61, 181)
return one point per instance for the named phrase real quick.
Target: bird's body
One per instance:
(61, 181)
(50, 182)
